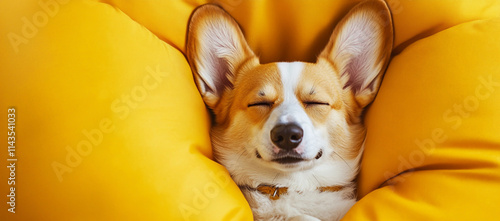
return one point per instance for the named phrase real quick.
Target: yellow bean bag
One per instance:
(109, 124)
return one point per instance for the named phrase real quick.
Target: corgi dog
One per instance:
(291, 134)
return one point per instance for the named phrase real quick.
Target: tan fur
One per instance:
(259, 83)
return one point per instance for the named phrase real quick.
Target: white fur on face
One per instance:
(291, 111)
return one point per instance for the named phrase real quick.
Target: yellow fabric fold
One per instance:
(109, 124)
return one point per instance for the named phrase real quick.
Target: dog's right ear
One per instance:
(360, 48)
(216, 47)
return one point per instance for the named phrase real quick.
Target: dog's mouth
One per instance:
(290, 158)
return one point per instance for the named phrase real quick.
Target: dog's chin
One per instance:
(290, 163)
(292, 167)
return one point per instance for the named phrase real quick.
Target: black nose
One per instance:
(287, 136)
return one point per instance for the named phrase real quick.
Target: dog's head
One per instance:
(288, 116)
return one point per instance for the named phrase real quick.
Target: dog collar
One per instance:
(275, 192)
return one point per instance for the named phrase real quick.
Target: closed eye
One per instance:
(263, 103)
(313, 103)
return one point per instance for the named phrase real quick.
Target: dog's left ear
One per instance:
(360, 48)
(215, 49)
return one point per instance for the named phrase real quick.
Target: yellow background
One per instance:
(103, 88)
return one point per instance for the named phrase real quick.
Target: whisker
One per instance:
(275, 177)
(319, 184)
(342, 159)
(241, 154)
